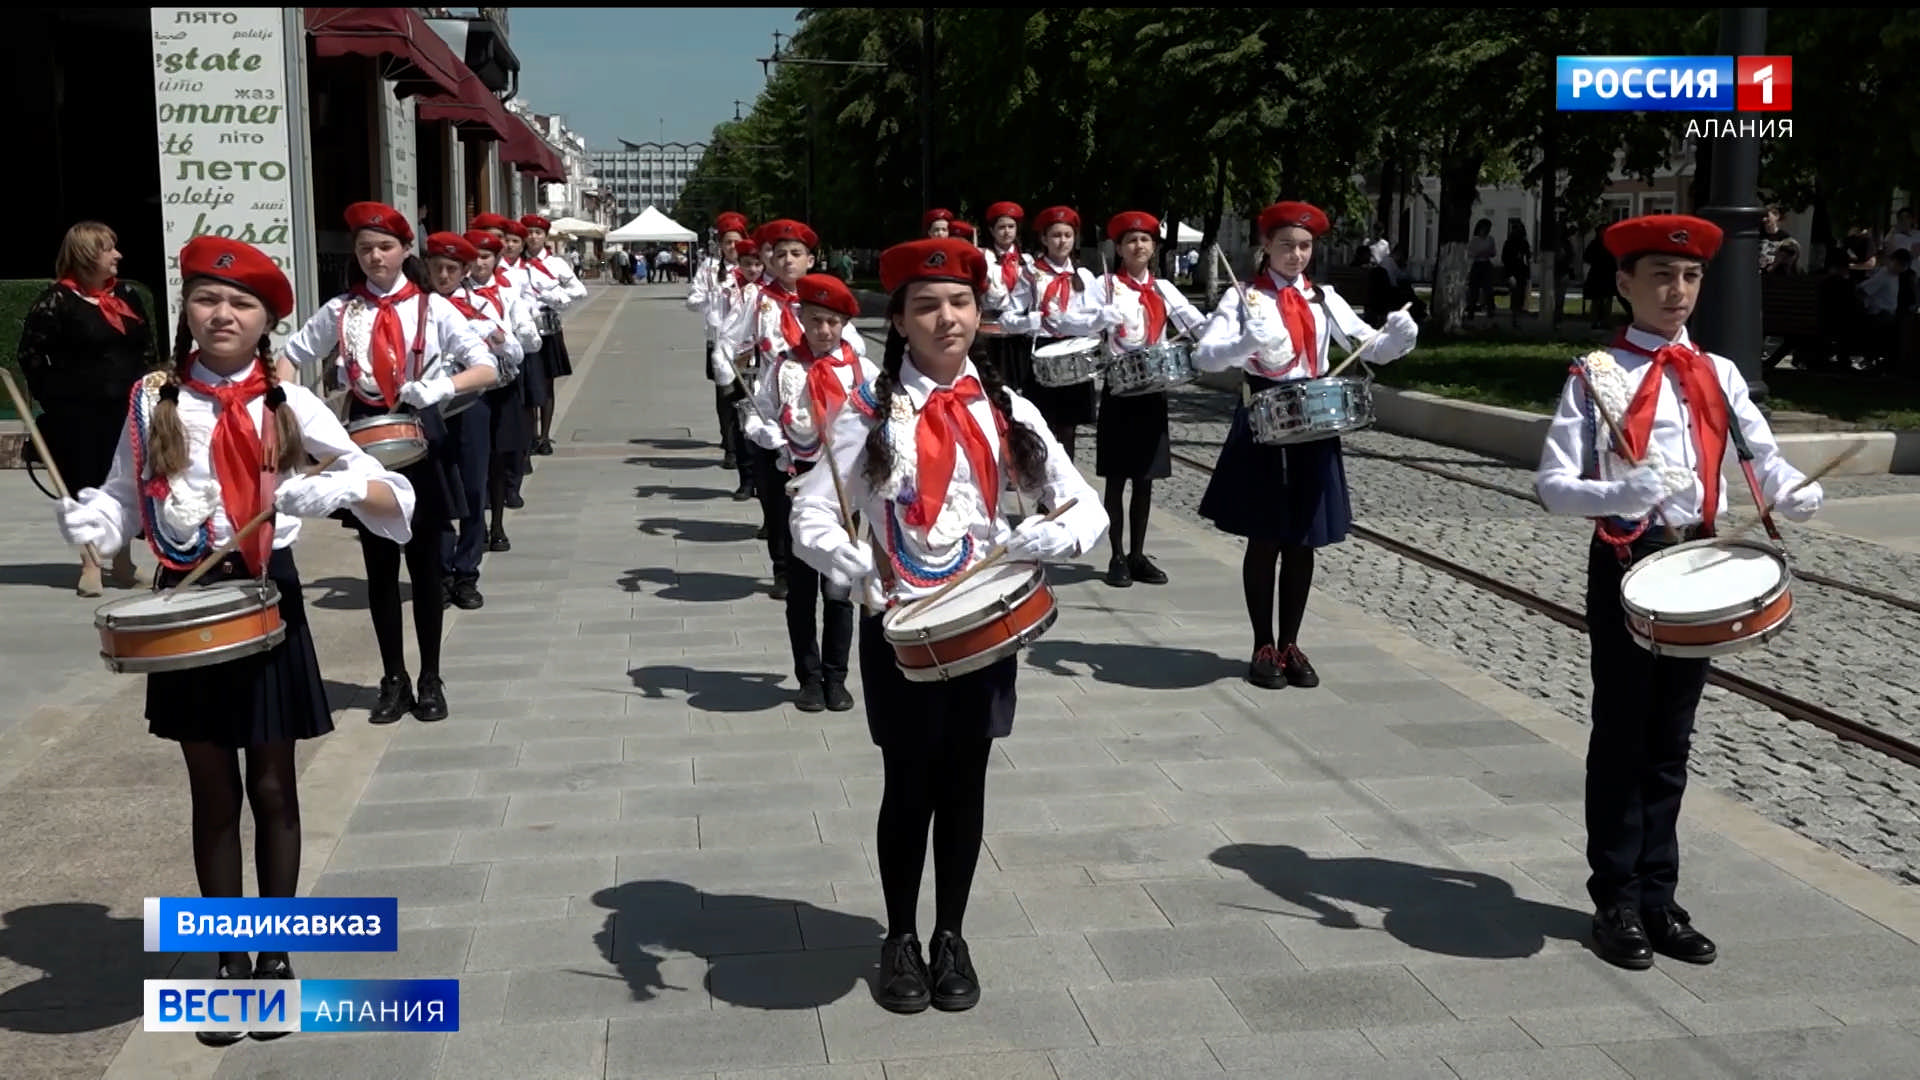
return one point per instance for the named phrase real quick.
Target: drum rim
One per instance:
(383, 419)
(1085, 344)
(272, 639)
(979, 661)
(268, 596)
(1715, 615)
(1718, 648)
(939, 631)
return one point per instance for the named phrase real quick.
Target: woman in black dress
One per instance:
(84, 343)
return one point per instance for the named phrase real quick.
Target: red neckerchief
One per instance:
(113, 309)
(739, 279)
(825, 392)
(946, 426)
(1297, 317)
(461, 305)
(1059, 290)
(534, 261)
(388, 346)
(492, 292)
(1152, 302)
(239, 459)
(1707, 414)
(1010, 268)
(790, 327)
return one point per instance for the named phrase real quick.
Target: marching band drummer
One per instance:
(1286, 500)
(509, 405)
(1131, 438)
(401, 344)
(936, 222)
(210, 441)
(1054, 300)
(536, 377)
(564, 289)
(794, 405)
(1007, 265)
(922, 457)
(1676, 405)
(707, 296)
(960, 230)
(738, 289)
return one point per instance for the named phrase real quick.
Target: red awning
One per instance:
(528, 152)
(415, 57)
(473, 108)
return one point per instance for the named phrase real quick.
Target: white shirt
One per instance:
(1080, 316)
(754, 325)
(999, 297)
(782, 399)
(1880, 292)
(1132, 334)
(321, 434)
(963, 533)
(566, 289)
(345, 325)
(705, 292)
(1579, 437)
(506, 316)
(537, 290)
(1224, 345)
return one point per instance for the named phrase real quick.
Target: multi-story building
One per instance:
(639, 175)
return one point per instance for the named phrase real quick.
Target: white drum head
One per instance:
(1703, 579)
(189, 604)
(1068, 347)
(975, 594)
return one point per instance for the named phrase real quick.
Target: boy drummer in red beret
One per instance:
(1682, 413)
(707, 296)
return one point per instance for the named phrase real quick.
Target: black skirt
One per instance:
(1012, 356)
(438, 489)
(507, 417)
(1061, 406)
(1294, 495)
(559, 361)
(903, 714)
(257, 699)
(1131, 440)
(536, 375)
(83, 436)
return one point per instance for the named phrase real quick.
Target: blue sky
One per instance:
(630, 73)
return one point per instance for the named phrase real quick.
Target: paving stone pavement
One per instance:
(640, 861)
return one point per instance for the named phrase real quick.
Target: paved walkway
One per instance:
(641, 862)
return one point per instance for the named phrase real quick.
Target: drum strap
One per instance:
(1745, 454)
(1621, 542)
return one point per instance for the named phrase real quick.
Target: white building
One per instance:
(639, 175)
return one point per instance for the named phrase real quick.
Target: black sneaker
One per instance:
(955, 987)
(431, 704)
(232, 966)
(272, 966)
(465, 595)
(1294, 663)
(779, 589)
(499, 542)
(812, 697)
(1264, 671)
(1144, 571)
(838, 700)
(901, 985)
(1117, 575)
(396, 699)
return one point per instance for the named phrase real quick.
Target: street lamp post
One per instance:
(1728, 318)
(926, 108)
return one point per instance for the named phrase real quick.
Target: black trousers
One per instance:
(732, 439)
(771, 482)
(1643, 708)
(820, 645)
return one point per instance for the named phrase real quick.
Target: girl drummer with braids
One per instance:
(923, 458)
(209, 443)
(1286, 500)
(1057, 300)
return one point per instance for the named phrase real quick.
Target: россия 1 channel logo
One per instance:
(1748, 84)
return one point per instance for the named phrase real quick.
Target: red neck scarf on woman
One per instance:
(1010, 268)
(946, 428)
(239, 458)
(116, 311)
(1151, 302)
(824, 390)
(1297, 316)
(1707, 415)
(389, 342)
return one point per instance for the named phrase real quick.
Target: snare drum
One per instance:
(196, 628)
(548, 322)
(1154, 369)
(988, 618)
(1707, 597)
(1310, 409)
(1067, 362)
(395, 440)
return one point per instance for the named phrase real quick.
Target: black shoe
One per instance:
(728, 463)
(812, 697)
(1621, 940)
(1294, 664)
(465, 595)
(396, 699)
(1264, 672)
(239, 968)
(515, 502)
(499, 542)
(901, 985)
(272, 966)
(955, 987)
(431, 704)
(446, 593)
(760, 533)
(543, 447)
(1670, 932)
(1117, 575)
(838, 700)
(1144, 571)
(779, 590)
(742, 493)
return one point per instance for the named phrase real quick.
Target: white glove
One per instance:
(1397, 337)
(1111, 315)
(81, 525)
(426, 393)
(1643, 489)
(1038, 539)
(851, 563)
(1802, 504)
(1269, 337)
(760, 432)
(720, 368)
(319, 496)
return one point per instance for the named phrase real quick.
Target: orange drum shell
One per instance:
(163, 643)
(1723, 632)
(922, 655)
(392, 431)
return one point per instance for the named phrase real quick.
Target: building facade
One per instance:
(639, 175)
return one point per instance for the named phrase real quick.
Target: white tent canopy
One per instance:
(652, 227)
(572, 226)
(1189, 235)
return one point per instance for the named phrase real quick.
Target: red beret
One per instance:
(731, 221)
(931, 216)
(1055, 215)
(489, 220)
(535, 221)
(746, 249)
(828, 292)
(1298, 214)
(961, 229)
(1663, 234)
(513, 228)
(1133, 221)
(240, 265)
(381, 218)
(938, 258)
(451, 246)
(785, 229)
(484, 241)
(1005, 209)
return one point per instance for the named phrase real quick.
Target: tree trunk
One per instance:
(1701, 191)
(1550, 224)
(1389, 188)
(1459, 190)
(1210, 229)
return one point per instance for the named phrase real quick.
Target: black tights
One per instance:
(1064, 435)
(1296, 580)
(1134, 518)
(944, 785)
(382, 558)
(214, 781)
(498, 466)
(546, 419)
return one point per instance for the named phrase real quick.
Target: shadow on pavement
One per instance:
(673, 444)
(713, 691)
(694, 585)
(696, 531)
(677, 464)
(1144, 667)
(345, 593)
(62, 576)
(89, 975)
(680, 494)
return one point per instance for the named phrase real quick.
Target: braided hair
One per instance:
(1027, 449)
(167, 435)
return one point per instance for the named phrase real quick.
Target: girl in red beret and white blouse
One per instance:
(707, 295)
(564, 290)
(1054, 301)
(1286, 500)
(936, 223)
(211, 440)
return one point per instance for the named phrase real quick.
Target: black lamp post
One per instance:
(926, 102)
(1727, 320)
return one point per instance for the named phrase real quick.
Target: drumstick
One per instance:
(1839, 459)
(1619, 439)
(40, 444)
(840, 492)
(240, 534)
(999, 552)
(1246, 395)
(1371, 338)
